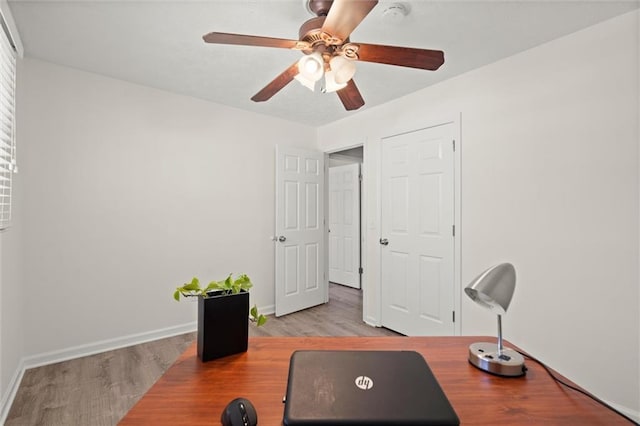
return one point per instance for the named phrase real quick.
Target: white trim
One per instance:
(635, 415)
(325, 224)
(343, 158)
(336, 149)
(363, 230)
(12, 390)
(457, 220)
(375, 285)
(372, 324)
(106, 345)
(267, 310)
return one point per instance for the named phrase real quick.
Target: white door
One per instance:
(300, 281)
(344, 225)
(417, 242)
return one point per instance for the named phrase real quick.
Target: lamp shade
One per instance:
(494, 288)
(330, 84)
(311, 66)
(343, 69)
(309, 84)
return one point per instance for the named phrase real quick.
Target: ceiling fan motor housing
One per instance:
(319, 41)
(311, 31)
(319, 7)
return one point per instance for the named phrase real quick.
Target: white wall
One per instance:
(550, 183)
(131, 191)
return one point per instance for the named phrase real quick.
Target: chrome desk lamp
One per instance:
(493, 289)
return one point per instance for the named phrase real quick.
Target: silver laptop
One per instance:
(332, 388)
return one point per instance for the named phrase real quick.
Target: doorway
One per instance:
(344, 217)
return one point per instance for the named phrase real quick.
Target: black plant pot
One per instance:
(223, 325)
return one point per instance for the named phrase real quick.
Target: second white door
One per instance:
(299, 258)
(417, 235)
(344, 225)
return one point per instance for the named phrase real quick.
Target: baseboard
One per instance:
(267, 310)
(635, 415)
(10, 395)
(112, 344)
(106, 345)
(371, 322)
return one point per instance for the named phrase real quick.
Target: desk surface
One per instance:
(195, 393)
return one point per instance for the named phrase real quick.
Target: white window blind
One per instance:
(7, 126)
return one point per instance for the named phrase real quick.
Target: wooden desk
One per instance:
(195, 393)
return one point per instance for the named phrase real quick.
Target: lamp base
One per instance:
(485, 357)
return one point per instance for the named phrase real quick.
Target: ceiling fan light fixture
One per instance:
(330, 83)
(343, 69)
(311, 66)
(309, 84)
(325, 40)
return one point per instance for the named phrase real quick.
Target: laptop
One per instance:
(332, 388)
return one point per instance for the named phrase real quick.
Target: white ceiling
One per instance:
(158, 43)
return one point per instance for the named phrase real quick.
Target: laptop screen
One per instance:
(334, 388)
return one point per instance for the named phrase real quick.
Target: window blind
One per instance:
(7, 126)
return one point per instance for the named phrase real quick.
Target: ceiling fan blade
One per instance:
(344, 16)
(277, 84)
(402, 56)
(350, 96)
(248, 40)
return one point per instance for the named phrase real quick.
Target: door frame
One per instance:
(362, 213)
(376, 285)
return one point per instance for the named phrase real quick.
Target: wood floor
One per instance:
(100, 389)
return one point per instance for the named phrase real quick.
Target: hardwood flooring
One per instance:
(99, 390)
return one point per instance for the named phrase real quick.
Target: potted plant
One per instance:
(223, 315)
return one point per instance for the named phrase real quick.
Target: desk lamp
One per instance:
(493, 289)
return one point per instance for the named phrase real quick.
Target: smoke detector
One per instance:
(395, 12)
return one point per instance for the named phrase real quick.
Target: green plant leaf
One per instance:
(261, 320)
(228, 285)
(211, 287)
(257, 318)
(243, 282)
(194, 285)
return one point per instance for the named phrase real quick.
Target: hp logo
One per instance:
(364, 382)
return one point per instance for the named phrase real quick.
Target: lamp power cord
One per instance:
(570, 386)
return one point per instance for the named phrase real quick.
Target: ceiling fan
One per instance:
(329, 53)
